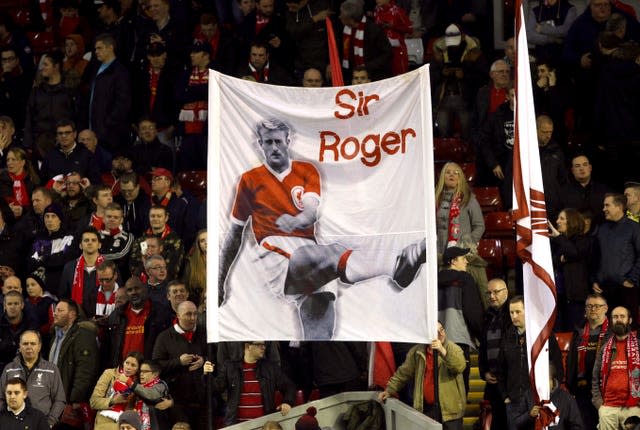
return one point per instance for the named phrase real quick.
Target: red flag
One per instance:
(533, 245)
(334, 57)
(381, 365)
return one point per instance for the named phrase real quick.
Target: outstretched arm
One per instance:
(229, 251)
(306, 218)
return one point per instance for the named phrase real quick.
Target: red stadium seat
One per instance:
(499, 225)
(41, 42)
(469, 170)
(195, 181)
(509, 252)
(452, 149)
(489, 198)
(564, 342)
(314, 395)
(20, 16)
(491, 251)
(299, 398)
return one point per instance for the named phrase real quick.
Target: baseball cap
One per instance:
(159, 171)
(453, 252)
(452, 35)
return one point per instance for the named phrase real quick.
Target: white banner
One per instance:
(318, 199)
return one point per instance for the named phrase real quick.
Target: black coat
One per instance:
(110, 107)
(164, 111)
(47, 105)
(30, 418)
(577, 252)
(80, 160)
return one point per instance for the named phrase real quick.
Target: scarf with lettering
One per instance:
(195, 116)
(353, 44)
(77, 288)
(633, 366)
(584, 342)
(20, 193)
(142, 408)
(454, 220)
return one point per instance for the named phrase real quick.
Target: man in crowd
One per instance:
(101, 156)
(156, 269)
(116, 243)
(162, 194)
(618, 271)
(582, 191)
(74, 351)
(632, 193)
(75, 204)
(108, 285)
(360, 75)
(176, 294)
(496, 323)
(135, 204)
(20, 414)
(180, 352)
(552, 164)
(614, 388)
(312, 78)
(586, 344)
(13, 323)
(42, 377)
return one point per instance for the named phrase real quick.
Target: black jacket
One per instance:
(554, 177)
(271, 379)
(576, 383)
(159, 319)
(495, 326)
(577, 252)
(47, 105)
(80, 160)
(10, 336)
(30, 418)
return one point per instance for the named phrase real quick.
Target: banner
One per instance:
(319, 203)
(529, 210)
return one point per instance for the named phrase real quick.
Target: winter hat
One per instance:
(453, 252)
(452, 35)
(39, 276)
(132, 418)
(308, 421)
(54, 208)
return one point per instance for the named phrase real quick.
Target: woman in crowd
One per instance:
(571, 259)
(112, 395)
(195, 269)
(42, 301)
(19, 179)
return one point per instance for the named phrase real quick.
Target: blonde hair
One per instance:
(462, 188)
(196, 276)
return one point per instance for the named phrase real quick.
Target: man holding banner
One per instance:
(282, 198)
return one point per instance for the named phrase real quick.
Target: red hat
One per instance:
(308, 421)
(159, 171)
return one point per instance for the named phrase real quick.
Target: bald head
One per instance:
(312, 78)
(497, 292)
(12, 283)
(88, 138)
(187, 314)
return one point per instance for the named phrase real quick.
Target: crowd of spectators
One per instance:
(99, 240)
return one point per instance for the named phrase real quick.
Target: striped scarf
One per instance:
(633, 366)
(353, 44)
(584, 342)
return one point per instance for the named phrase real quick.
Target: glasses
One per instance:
(594, 307)
(494, 293)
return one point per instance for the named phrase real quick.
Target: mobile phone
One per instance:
(143, 247)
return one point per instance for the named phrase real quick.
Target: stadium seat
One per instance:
(499, 225)
(20, 16)
(491, 251)
(564, 342)
(469, 170)
(195, 181)
(452, 149)
(489, 198)
(41, 42)
(299, 398)
(509, 252)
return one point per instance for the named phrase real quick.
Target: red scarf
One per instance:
(195, 117)
(261, 22)
(633, 367)
(20, 193)
(260, 75)
(454, 220)
(164, 233)
(428, 386)
(164, 201)
(154, 77)
(142, 408)
(584, 342)
(188, 335)
(104, 306)
(353, 45)
(77, 288)
(97, 222)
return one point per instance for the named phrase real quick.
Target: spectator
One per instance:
(155, 83)
(632, 193)
(360, 75)
(112, 394)
(130, 420)
(68, 156)
(134, 326)
(18, 410)
(150, 153)
(618, 242)
(122, 30)
(312, 78)
(101, 156)
(79, 277)
(75, 352)
(52, 249)
(101, 197)
(156, 269)
(75, 204)
(551, 98)
(554, 174)
(305, 23)
(135, 204)
(8, 138)
(50, 101)
(106, 297)
(586, 345)
(19, 179)
(162, 28)
(176, 294)
(162, 194)
(333, 378)
(10, 37)
(582, 191)
(496, 324)
(458, 72)
(13, 323)
(15, 83)
(396, 25)
(364, 43)
(419, 367)
(195, 268)
(180, 352)
(109, 99)
(153, 396)
(459, 216)
(222, 44)
(613, 376)
(123, 165)
(548, 25)
(251, 384)
(116, 243)
(42, 377)
(71, 21)
(74, 64)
